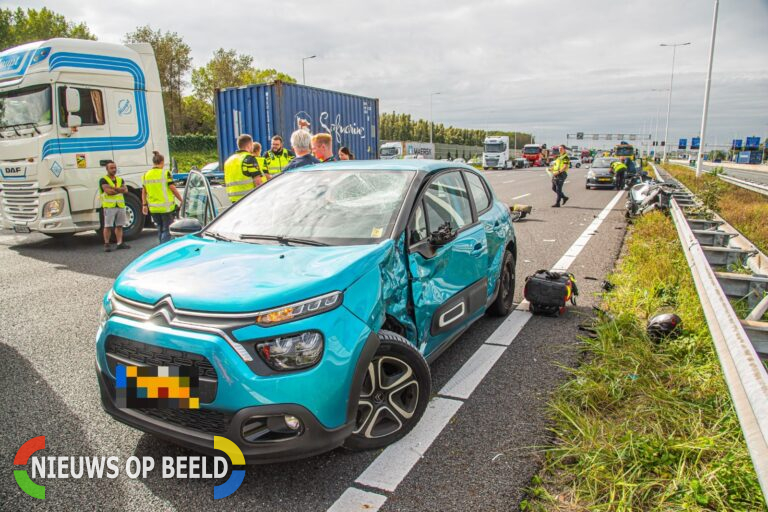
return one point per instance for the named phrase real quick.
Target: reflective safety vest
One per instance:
(618, 166)
(560, 165)
(277, 162)
(159, 195)
(237, 183)
(262, 167)
(114, 201)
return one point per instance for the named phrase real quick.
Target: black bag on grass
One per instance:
(549, 292)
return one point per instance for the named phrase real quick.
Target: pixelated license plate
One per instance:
(157, 387)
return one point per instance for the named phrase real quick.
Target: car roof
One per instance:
(418, 165)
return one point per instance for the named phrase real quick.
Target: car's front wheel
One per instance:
(394, 394)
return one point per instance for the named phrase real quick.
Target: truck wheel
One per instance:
(135, 217)
(485, 168)
(506, 295)
(394, 395)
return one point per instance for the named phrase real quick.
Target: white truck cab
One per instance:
(496, 153)
(406, 149)
(66, 107)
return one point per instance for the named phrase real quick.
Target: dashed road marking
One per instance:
(522, 196)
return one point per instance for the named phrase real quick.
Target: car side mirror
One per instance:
(74, 121)
(442, 235)
(72, 100)
(188, 226)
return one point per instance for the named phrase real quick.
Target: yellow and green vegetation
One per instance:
(745, 210)
(644, 425)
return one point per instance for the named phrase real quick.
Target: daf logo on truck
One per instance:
(18, 171)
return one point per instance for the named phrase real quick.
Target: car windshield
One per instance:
(31, 106)
(603, 162)
(531, 150)
(213, 166)
(334, 207)
(495, 147)
(388, 151)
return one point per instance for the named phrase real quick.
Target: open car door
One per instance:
(198, 201)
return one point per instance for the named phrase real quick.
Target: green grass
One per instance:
(641, 425)
(186, 159)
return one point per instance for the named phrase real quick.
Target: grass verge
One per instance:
(645, 426)
(743, 209)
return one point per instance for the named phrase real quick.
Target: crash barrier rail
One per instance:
(707, 243)
(749, 185)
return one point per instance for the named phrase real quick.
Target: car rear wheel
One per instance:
(394, 394)
(506, 295)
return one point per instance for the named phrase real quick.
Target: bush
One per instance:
(192, 142)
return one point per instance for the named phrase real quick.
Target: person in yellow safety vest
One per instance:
(559, 175)
(262, 166)
(277, 157)
(619, 169)
(113, 206)
(242, 172)
(157, 195)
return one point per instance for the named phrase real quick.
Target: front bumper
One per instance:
(21, 209)
(313, 439)
(323, 397)
(599, 183)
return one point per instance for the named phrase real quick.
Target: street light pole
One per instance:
(658, 115)
(706, 92)
(430, 114)
(303, 74)
(669, 102)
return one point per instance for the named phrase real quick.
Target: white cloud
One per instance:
(552, 66)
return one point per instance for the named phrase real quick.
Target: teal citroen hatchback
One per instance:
(311, 308)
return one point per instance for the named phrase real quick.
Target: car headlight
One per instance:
(292, 352)
(299, 310)
(53, 208)
(591, 175)
(105, 310)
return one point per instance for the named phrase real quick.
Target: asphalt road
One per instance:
(482, 460)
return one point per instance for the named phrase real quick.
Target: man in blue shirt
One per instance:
(301, 142)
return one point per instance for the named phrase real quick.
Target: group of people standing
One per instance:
(246, 169)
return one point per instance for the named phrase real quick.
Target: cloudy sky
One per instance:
(549, 67)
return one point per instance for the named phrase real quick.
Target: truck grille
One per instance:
(135, 353)
(490, 162)
(20, 201)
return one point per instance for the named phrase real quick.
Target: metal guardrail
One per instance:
(749, 185)
(743, 370)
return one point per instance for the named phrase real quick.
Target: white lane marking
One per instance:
(549, 240)
(355, 500)
(522, 196)
(396, 461)
(507, 331)
(575, 249)
(508, 181)
(464, 382)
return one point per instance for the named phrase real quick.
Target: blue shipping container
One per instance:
(266, 110)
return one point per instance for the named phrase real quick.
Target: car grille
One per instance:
(202, 420)
(20, 201)
(135, 353)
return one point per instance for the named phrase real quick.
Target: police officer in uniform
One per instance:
(619, 170)
(559, 175)
(242, 171)
(157, 195)
(277, 157)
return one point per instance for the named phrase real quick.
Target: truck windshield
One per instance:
(334, 207)
(624, 151)
(388, 151)
(30, 106)
(531, 150)
(495, 147)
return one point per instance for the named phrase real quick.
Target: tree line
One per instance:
(195, 113)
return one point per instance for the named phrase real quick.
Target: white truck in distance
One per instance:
(67, 106)
(392, 150)
(496, 153)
